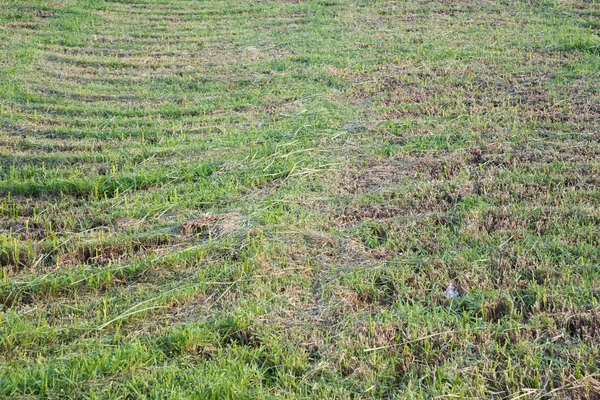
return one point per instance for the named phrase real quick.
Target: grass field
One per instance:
(270, 199)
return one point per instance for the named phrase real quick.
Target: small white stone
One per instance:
(452, 292)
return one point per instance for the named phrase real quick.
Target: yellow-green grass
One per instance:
(268, 199)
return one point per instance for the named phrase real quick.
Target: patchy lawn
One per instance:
(310, 198)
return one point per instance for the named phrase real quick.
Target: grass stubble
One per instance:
(269, 199)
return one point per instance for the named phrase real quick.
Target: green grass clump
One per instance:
(219, 199)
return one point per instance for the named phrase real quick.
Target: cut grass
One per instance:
(225, 199)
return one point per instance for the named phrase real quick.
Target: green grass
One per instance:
(236, 199)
